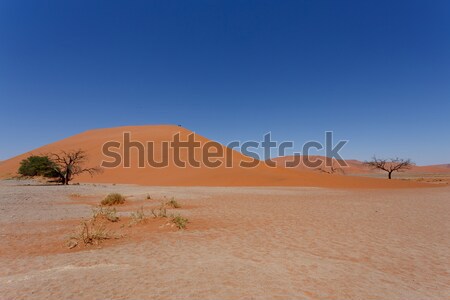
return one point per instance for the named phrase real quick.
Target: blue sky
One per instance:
(377, 73)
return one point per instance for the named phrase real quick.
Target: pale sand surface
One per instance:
(242, 243)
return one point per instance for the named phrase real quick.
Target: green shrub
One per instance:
(113, 199)
(180, 222)
(38, 166)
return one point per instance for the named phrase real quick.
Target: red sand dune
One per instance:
(354, 166)
(358, 167)
(262, 175)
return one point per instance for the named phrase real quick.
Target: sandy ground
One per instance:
(241, 243)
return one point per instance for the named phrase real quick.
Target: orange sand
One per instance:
(357, 167)
(92, 141)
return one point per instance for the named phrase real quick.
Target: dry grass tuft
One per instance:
(90, 232)
(138, 216)
(113, 199)
(108, 213)
(173, 203)
(160, 212)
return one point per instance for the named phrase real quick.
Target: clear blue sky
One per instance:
(375, 72)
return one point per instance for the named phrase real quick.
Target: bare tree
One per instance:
(390, 165)
(70, 163)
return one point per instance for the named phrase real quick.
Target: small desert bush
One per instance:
(75, 195)
(109, 214)
(149, 197)
(113, 199)
(173, 203)
(160, 212)
(180, 221)
(138, 216)
(90, 232)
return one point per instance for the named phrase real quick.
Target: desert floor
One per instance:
(241, 243)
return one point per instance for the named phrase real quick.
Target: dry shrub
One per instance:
(90, 232)
(113, 199)
(173, 203)
(160, 212)
(108, 213)
(93, 231)
(180, 221)
(138, 216)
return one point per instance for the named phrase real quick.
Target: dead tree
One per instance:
(70, 163)
(390, 165)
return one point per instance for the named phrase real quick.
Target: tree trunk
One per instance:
(67, 178)
(390, 175)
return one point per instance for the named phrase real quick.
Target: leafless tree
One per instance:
(390, 165)
(70, 163)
